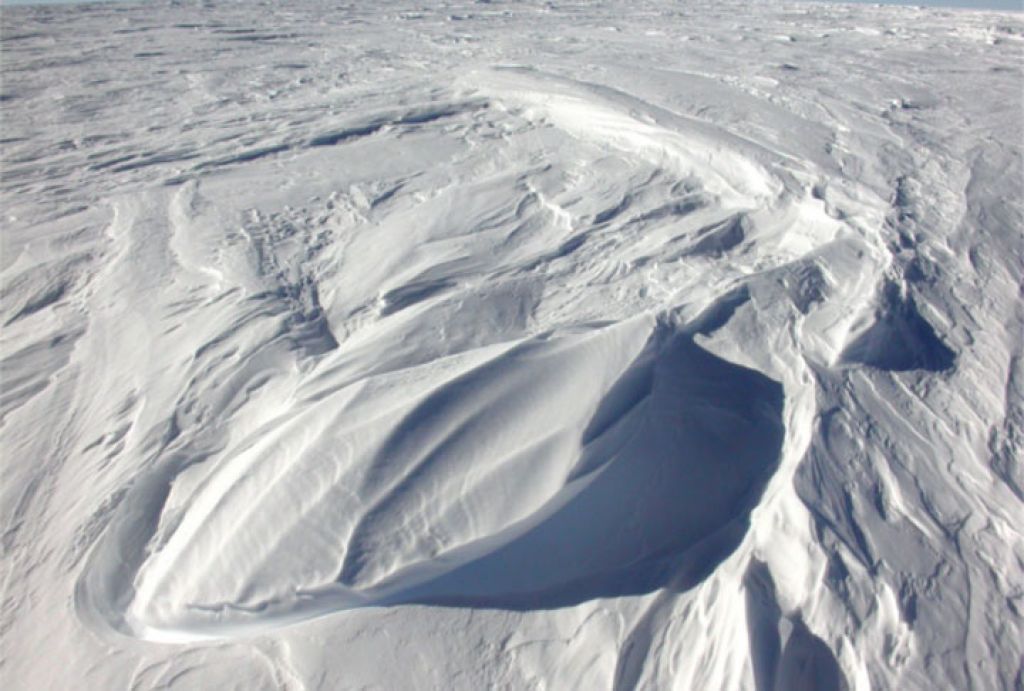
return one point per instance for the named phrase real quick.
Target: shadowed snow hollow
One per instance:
(468, 493)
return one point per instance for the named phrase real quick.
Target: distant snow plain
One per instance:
(967, 4)
(511, 345)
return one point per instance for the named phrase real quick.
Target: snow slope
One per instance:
(511, 345)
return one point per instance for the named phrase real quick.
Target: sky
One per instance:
(973, 4)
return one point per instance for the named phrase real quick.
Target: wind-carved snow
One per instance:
(492, 464)
(583, 371)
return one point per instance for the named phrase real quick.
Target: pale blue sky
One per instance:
(976, 4)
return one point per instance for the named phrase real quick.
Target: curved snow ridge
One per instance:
(482, 407)
(467, 496)
(727, 165)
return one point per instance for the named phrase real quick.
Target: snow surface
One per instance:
(512, 345)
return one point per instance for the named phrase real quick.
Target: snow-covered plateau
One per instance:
(511, 345)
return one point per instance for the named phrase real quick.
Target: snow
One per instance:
(511, 345)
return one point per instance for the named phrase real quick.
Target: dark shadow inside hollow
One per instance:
(763, 616)
(673, 461)
(804, 663)
(900, 339)
(807, 664)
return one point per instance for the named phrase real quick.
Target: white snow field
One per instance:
(511, 345)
